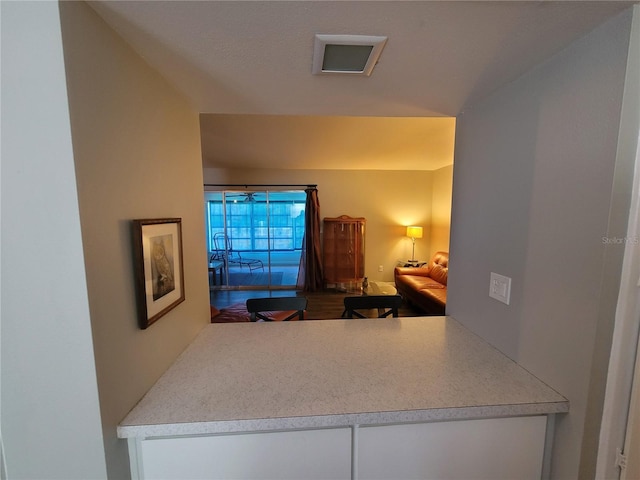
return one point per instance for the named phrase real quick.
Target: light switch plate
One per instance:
(500, 288)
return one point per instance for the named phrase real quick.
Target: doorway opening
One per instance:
(254, 238)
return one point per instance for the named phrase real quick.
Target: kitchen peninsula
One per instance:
(412, 397)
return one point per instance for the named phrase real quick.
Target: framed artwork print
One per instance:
(158, 267)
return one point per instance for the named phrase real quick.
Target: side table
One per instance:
(213, 267)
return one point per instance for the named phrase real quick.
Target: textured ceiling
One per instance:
(253, 58)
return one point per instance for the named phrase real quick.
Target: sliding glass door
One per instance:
(254, 238)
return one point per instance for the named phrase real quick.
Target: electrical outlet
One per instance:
(500, 288)
(380, 268)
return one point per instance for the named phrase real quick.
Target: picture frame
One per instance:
(158, 267)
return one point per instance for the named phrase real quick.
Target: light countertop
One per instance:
(241, 377)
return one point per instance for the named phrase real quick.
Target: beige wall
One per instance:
(389, 200)
(137, 155)
(441, 209)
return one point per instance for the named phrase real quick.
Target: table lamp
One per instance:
(414, 232)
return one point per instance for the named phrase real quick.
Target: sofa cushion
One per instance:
(418, 283)
(439, 258)
(437, 295)
(416, 271)
(439, 273)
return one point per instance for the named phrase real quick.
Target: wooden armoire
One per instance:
(343, 249)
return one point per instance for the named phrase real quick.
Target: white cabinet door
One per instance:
(312, 454)
(492, 449)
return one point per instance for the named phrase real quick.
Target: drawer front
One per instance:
(491, 449)
(312, 454)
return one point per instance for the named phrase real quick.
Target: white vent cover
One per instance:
(351, 54)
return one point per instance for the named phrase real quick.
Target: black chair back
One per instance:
(386, 305)
(256, 307)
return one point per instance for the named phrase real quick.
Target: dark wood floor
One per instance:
(321, 305)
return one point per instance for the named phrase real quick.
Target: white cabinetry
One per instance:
(480, 449)
(297, 455)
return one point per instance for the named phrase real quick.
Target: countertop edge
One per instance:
(340, 420)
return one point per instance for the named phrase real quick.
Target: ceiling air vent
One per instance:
(352, 54)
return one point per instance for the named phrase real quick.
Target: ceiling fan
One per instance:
(248, 197)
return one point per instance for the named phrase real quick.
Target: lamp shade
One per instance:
(414, 232)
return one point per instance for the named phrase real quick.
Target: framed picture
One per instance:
(158, 267)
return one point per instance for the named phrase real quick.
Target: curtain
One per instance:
(310, 277)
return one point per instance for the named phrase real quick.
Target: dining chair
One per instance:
(385, 304)
(276, 308)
